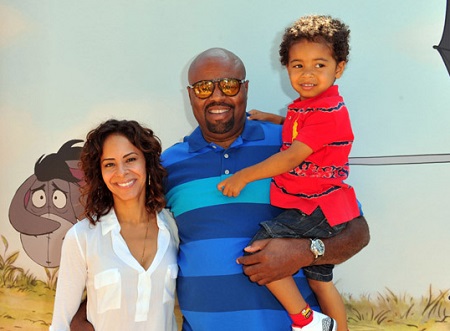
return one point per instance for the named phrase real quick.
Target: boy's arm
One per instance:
(275, 165)
(79, 320)
(280, 258)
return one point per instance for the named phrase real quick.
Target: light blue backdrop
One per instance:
(67, 65)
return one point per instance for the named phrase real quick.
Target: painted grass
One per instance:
(27, 304)
(391, 311)
(29, 310)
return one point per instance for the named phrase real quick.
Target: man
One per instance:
(213, 292)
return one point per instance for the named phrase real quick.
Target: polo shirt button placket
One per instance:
(226, 156)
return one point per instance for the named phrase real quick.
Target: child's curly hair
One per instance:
(317, 28)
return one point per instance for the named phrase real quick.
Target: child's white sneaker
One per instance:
(320, 322)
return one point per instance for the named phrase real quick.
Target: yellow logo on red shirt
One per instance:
(294, 131)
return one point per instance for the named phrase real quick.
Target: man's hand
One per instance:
(258, 115)
(79, 321)
(278, 258)
(275, 259)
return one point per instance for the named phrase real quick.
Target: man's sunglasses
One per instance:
(229, 86)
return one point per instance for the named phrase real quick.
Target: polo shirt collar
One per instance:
(332, 91)
(253, 131)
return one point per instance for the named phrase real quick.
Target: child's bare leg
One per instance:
(330, 302)
(286, 291)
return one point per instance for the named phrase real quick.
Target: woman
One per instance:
(124, 252)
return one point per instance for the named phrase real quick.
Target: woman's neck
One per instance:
(131, 212)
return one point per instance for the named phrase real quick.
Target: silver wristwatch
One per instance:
(317, 248)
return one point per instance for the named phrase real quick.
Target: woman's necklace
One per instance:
(145, 240)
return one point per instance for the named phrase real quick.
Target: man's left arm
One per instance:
(279, 258)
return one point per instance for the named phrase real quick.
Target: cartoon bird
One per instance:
(47, 204)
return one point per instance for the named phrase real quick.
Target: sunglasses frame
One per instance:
(218, 80)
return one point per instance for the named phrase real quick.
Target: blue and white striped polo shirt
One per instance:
(213, 292)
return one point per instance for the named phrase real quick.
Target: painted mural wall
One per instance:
(65, 66)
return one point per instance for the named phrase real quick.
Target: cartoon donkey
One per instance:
(47, 204)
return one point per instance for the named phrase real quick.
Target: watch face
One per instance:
(320, 245)
(317, 247)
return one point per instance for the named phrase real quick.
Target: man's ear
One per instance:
(189, 93)
(340, 69)
(246, 86)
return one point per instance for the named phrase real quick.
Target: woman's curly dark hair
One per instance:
(317, 28)
(95, 196)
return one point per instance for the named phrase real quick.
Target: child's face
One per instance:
(312, 68)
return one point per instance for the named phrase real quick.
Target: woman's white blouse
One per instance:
(121, 294)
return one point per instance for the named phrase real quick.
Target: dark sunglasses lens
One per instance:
(204, 89)
(229, 87)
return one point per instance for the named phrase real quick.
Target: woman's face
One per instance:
(123, 169)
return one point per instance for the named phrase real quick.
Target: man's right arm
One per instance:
(79, 321)
(274, 259)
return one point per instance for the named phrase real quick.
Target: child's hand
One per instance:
(232, 186)
(259, 115)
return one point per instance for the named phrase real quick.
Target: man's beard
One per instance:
(220, 127)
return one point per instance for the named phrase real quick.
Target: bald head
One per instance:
(218, 56)
(221, 117)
